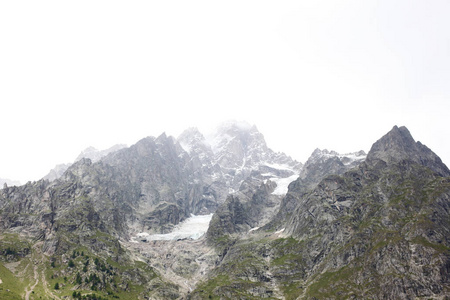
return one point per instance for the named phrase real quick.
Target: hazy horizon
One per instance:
(309, 74)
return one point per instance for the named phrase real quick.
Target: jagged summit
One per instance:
(233, 143)
(95, 155)
(236, 147)
(346, 158)
(399, 145)
(239, 145)
(325, 162)
(193, 141)
(90, 152)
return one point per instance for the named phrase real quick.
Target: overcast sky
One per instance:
(328, 74)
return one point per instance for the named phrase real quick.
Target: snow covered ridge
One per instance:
(192, 228)
(234, 145)
(347, 158)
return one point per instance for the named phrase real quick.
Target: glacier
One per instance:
(192, 228)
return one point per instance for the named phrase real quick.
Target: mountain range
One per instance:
(340, 226)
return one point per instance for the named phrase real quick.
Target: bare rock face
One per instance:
(252, 207)
(323, 162)
(398, 145)
(319, 165)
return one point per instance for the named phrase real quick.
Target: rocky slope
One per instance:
(320, 164)
(378, 231)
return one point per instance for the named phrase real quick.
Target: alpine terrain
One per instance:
(223, 216)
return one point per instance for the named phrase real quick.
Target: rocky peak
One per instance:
(162, 138)
(346, 158)
(398, 145)
(90, 152)
(193, 142)
(324, 162)
(236, 143)
(190, 136)
(57, 171)
(76, 170)
(95, 155)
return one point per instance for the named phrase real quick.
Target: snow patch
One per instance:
(186, 147)
(267, 174)
(280, 231)
(253, 229)
(347, 158)
(283, 184)
(193, 228)
(279, 166)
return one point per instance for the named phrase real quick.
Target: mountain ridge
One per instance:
(363, 234)
(349, 226)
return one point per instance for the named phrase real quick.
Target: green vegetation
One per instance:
(222, 287)
(71, 264)
(10, 288)
(439, 248)
(335, 284)
(291, 290)
(13, 248)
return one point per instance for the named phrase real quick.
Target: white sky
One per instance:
(328, 74)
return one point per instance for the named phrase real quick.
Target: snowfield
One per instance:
(193, 228)
(282, 184)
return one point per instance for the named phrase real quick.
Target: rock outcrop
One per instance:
(247, 210)
(93, 154)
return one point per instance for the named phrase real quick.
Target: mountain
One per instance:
(377, 231)
(357, 226)
(93, 154)
(399, 146)
(324, 162)
(237, 146)
(98, 208)
(57, 172)
(239, 149)
(320, 164)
